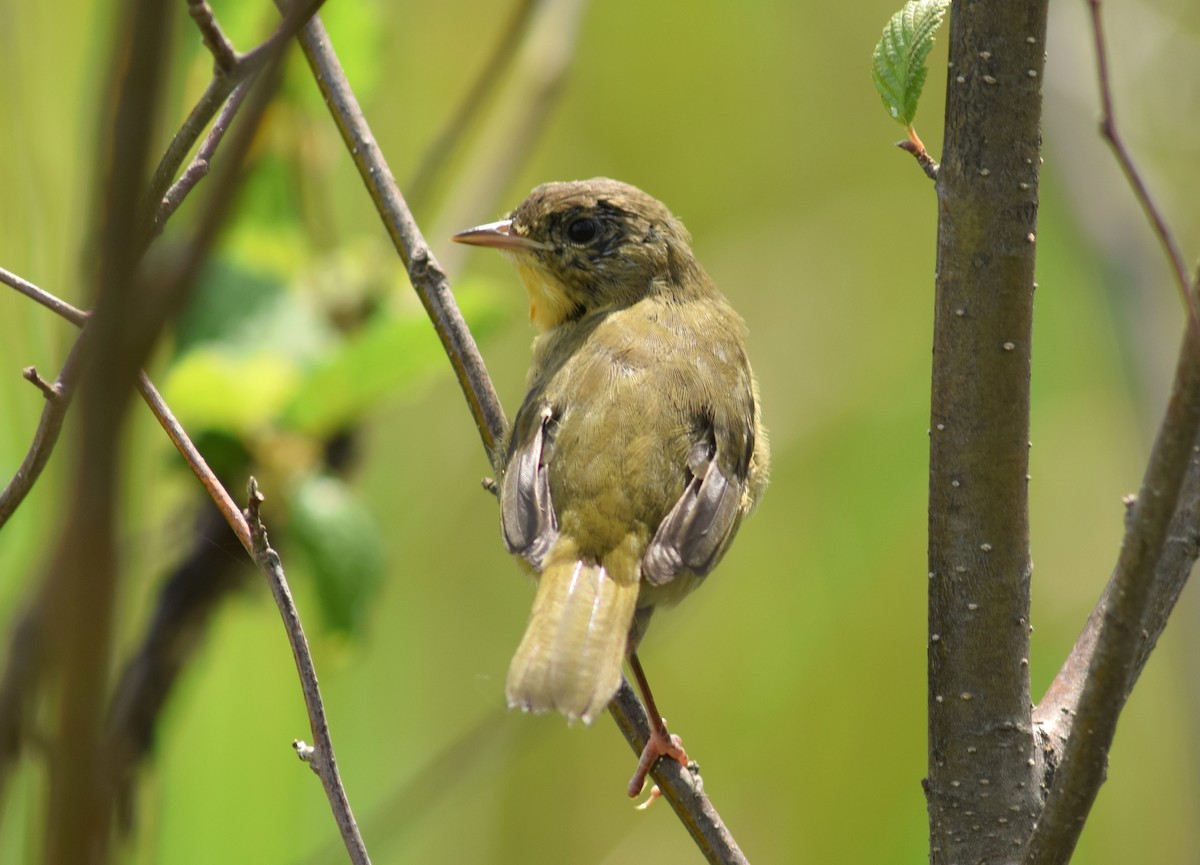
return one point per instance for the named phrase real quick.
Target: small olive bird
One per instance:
(639, 445)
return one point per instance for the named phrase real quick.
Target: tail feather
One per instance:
(570, 658)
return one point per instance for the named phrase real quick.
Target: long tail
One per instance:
(570, 658)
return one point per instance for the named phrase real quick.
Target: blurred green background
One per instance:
(796, 676)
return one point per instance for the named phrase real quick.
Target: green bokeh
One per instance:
(796, 676)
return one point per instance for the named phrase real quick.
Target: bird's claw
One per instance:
(655, 793)
(660, 744)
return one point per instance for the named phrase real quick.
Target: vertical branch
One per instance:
(980, 737)
(81, 583)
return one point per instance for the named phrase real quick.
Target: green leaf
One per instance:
(898, 68)
(387, 357)
(217, 390)
(342, 545)
(243, 309)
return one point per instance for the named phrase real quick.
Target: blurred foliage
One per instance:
(796, 677)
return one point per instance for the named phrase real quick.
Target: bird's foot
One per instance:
(660, 744)
(655, 794)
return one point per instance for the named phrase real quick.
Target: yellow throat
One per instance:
(548, 303)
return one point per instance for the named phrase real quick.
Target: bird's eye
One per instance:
(582, 230)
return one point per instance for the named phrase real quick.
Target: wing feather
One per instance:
(527, 518)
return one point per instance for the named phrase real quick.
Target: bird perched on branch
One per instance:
(638, 448)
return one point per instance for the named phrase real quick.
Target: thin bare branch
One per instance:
(927, 163)
(297, 16)
(1077, 718)
(146, 388)
(224, 54)
(198, 168)
(191, 455)
(324, 761)
(58, 400)
(237, 521)
(78, 752)
(227, 75)
(320, 757)
(26, 656)
(427, 277)
(683, 788)
(71, 313)
(241, 74)
(50, 390)
(1080, 712)
(1108, 129)
(181, 144)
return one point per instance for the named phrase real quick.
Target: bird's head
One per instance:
(588, 245)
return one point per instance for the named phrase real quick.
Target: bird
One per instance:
(638, 448)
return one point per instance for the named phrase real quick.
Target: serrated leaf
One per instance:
(342, 546)
(898, 67)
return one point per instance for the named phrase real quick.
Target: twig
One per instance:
(683, 788)
(224, 55)
(237, 521)
(1078, 715)
(321, 758)
(169, 284)
(239, 73)
(71, 313)
(172, 291)
(50, 390)
(1108, 129)
(26, 656)
(324, 762)
(227, 75)
(198, 168)
(917, 149)
(149, 393)
(208, 479)
(1084, 710)
(426, 276)
(58, 400)
(299, 13)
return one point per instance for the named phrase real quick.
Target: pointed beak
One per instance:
(496, 235)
